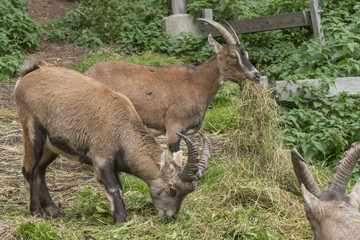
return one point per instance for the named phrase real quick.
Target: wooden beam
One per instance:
(179, 6)
(288, 20)
(315, 20)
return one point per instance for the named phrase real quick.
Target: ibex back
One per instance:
(332, 214)
(65, 112)
(171, 99)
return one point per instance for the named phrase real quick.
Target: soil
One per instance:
(63, 176)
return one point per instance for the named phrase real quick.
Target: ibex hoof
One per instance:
(39, 214)
(55, 212)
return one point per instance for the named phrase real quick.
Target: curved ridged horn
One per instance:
(303, 174)
(206, 154)
(189, 173)
(221, 29)
(232, 31)
(342, 172)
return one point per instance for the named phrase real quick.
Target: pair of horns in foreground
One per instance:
(342, 172)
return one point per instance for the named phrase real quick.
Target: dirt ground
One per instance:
(63, 176)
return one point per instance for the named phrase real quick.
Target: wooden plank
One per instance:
(288, 20)
(179, 6)
(315, 20)
(350, 85)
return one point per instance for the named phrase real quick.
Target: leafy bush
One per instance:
(135, 26)
(18, 35)
(294, 54)
(325, 129)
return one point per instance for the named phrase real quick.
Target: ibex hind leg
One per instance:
(34, 139)
(46, 201)
(108, 176)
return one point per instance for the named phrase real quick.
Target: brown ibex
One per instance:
(332, 214)
(65, 112)
(171, 99)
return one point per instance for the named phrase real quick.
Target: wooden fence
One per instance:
(274, 22)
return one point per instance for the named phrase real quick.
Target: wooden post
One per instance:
(179, 6)
(315, 20)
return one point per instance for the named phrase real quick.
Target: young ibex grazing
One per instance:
(332, 214)
(65, 112)
(171, 99)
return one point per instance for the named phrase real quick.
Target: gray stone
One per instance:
(175, 24)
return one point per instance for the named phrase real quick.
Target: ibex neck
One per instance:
(207, 76)
(143, 157)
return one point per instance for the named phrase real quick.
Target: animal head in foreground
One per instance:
(332, 214)
(65, 112)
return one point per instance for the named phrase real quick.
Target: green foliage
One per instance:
(225, 9)
(135, 26)
(294, 54)
(18, 35)
(4, 78)
(324, 128)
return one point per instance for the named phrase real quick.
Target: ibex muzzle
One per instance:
(171, 99)
(65, 112)
(332, 214)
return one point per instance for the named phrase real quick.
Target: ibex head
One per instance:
(331, 213)
(176, 181)
(233, 59)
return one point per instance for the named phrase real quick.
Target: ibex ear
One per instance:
(178, 157)
(164, 162)
(355, 194)
(214, 44)
(310, 200)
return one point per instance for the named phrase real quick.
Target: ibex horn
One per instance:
(206, 154)
(221, 29)
(303, 174)
(189, 173)
(232, 31)
(342, 172)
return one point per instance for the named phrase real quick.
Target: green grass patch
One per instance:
(222, 113)
(147, 58)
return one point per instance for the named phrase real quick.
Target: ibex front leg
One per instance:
(34, 140)
(108, 175)
(45, 199)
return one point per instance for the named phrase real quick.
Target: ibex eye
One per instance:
(233, 57)
(172, 192)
